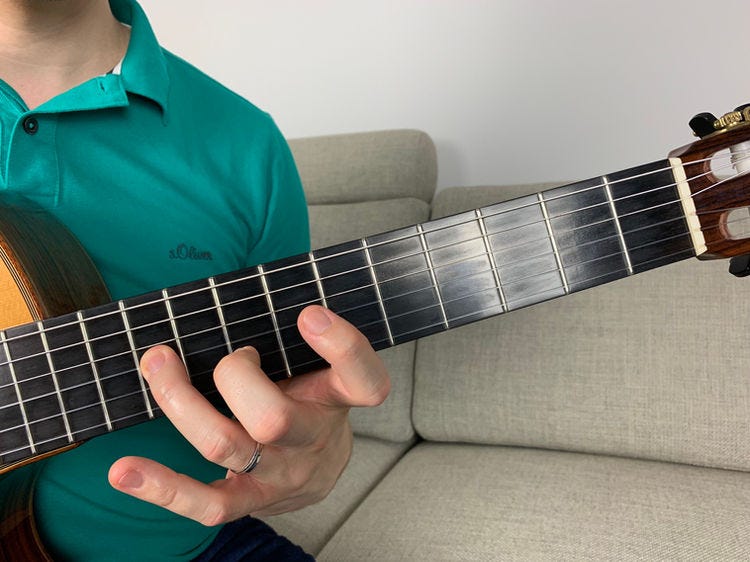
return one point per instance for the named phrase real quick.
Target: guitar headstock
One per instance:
(717, 176)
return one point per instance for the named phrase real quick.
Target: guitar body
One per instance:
(44, 272)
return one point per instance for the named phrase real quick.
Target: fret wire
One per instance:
(431, 269)
(436, 324)
(108, 420)
(399, 277)
(12, 370)
(94, 369)
(552, 240)
(384, 340)
(491, 257)
(220, 312)
(519, 280)
(517, 262)
(88, 428)
(486, 216)
(173, 323)
(376, 285)
(533, 295)
(628, 178)
(624, 179)
(318, 280)
(55, 382)
(274, 320)
(657, 241)
(618, 227)
(136, 361)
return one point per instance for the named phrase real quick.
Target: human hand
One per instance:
(302, 423)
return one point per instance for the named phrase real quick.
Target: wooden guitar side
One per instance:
(44, 272)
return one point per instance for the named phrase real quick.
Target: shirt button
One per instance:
(30, 125)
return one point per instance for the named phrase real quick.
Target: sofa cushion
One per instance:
(462, 502)
(334, 223)
(366, 166)
(652, 366)
(312, 526)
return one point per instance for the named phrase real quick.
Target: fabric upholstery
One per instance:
(462, 502)
(367, 166)
(653, 366)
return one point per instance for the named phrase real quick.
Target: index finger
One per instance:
(357, 376)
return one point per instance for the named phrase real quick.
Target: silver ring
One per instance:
(253, 462)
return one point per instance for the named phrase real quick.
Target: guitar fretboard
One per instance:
(73, 377)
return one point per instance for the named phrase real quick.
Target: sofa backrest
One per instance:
(653, 366)
(362, 184)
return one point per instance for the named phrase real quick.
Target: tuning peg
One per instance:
(703, 124)
(739, 266)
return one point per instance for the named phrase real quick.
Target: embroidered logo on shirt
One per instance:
(185, 252)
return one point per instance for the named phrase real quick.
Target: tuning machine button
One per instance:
(739, 266)
(703, 124)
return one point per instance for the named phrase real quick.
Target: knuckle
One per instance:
(165, 392)
(230, 364)
(273, 425)
(350, 347)
(372, 386)
(379, 391)
(216, 513)
(299, 482)
(164, 496)
(219, 449)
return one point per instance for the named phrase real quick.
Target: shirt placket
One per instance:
(30, 137)
(32, 169)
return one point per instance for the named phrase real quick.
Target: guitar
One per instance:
(69, 355)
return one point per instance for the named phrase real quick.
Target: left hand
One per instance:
(302, 423)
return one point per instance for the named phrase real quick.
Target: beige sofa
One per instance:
(612, 424)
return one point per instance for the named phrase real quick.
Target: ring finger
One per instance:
(218, 439)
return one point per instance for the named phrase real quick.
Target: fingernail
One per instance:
(154, 361)
(316, 320)
(131, 479)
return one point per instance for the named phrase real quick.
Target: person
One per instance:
(166, 176)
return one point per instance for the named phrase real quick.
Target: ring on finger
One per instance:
(253, 462)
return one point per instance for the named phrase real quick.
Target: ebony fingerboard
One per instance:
(73, 377)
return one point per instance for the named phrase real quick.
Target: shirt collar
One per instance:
(143, 73)
(144, 69)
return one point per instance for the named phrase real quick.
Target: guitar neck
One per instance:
(72, 377)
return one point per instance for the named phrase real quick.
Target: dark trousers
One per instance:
(249, 539)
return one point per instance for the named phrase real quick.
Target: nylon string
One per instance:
(432, 286)
(508, 264)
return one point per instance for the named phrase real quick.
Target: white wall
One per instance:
(512, 91)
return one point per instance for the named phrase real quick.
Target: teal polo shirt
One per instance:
(165, 176)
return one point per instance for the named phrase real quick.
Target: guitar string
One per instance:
(334, 295)
(454, 279)
(214, 392)
(401, 334)
(387, 242)
(138, 392)
(298, 305)
(317, 300)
